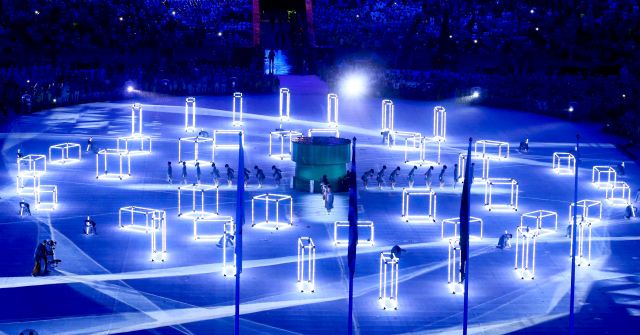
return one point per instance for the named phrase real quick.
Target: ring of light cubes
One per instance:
(490, 204)
(306, 256)
(229, 231)
(282, 135)
(332, 110)
(564, 163)
(590, 210)
(538, 217)
(155, 221)
(580, 254)
(199, 221)
(603, 176)
(619, 193)
(49, 204)
(231, 145)
(61, 153)
(21, 183)
(136, 115)
(196, 153)
(525, 264)
(327, 132)
(237, 110)
(455, 222)
(439, 123)
(422, 151)
(36, 165)
(388, 293)
(387, 116)
(121, 156)
(276, 199)
(424, 214)
(195, 190)
(285, 105)
(413, 137)
(462, 163)
(190, 114)
(341, 233)
(454, 263)
(134, 145)
(496, 150)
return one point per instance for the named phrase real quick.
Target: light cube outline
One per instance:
(439, 123)
(284, 105)
(226, 146)
(332, 110)
(456, 222)
(387, 115)
(422, 151)
(21, 188)
(311, 132)
(196, 189)
(462, 161)
(277, 199)
(136, 110)
(539, 216)
(122, 155)
(430, 212)
(196, 140)
(388, 264)
(488, 194)
(64, 149)
(580, 229)
(586, 205)
(563, 157)
(527, 237)
(237, 120)
(213, 219)
(454, 263)
(37, 164)
(155, 220)
(503, 149)
(229, 269)
(596, 176)
(190, 103)
(412, 136)
(306, 281)
(366, 224)
(46, 205)
(282, 134)
(138, 137)
(618, 194)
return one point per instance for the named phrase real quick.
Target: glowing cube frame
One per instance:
(237, 110)
(430, 213)
(539, 217)
(422, 151)
(201, 189)
(454, 263)
(580, 256)
(190, 105)
(196, 153)
(282, 134)
(462, 163)
(136, 115)
(564, 163)
(122, 156)
(155, 220)
(217, 219)
(21, 186)
(139, 139)
(44, 205)
(306, 254)
(456, 222)
(527, 237)
(587, 210)
(64, 149)
(388, 264)
(229, 268)
(36, 164)
(316, 131)
(501, 153)
(413, 137)
(488, 193)
(439, 123)
(619, 193)
(598, 175)
(332, 110)
(341, 225)
(233, 145)
(284, 105)
(387, 116)
(277, 199)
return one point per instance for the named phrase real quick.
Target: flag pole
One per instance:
(465, 207)
(238, 233)
(573, 239)
(353, 231)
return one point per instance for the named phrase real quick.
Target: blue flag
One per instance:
(353, 229)
(238, 233)
(465, 209)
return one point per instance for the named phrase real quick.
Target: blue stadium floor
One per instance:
(106, 284)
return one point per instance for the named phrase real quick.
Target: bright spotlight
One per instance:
(475, 94)
(354, 85)
(129, 88)
(570, 109)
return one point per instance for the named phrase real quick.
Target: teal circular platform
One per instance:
(318, 156)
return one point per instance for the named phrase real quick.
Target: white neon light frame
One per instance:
(488, 193)
(387, 115)
(526, 257)
(122, 155)
(597, 173)
(141, 139)
(587, 210)
(430, 213)
(422, 151)
(388, 264)
(234, 143)
(502, 149)
(199, 221)
(344, 225)
(237, 110)
(37, 164)
(316, 131)
(282, 134)
(22, 188)
(564, 163)
(64, 149)
(285, 104)
(413, 137)
(462, 162)
(306, 255)
(332, 110)
(454, 262)
(455, 222)
(277, 199)
(228, 268)
(190, 104)
(155, 220)
(439, 123)
(46, 205)
(539, 216)
(619, 194)
(136, 114)
(200, 189)
(196, 153)
(580, 257)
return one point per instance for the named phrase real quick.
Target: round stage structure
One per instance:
(318, 156)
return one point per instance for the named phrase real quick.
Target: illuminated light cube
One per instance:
(454, 265)
(228, 253)
(422, 151)
(285, 105)
(134, 145)
(190, 114)
(282, 135)
(581, 258)
(427, 214)
(155, 221)
(198, 222)
(525, 265)
(276, 199)
(202, 212)
(387, 116)
(413, 137)
(136, 115)
(306, 255)
(121, 156)
(50, 200)
(496, 150)
(332, 110)
(65, 153)
(439, 123)
(619, 194)
(32, 164)
(489, 202)
(341, 233)
(231, 143)
(564, 163)
(455, 222)
(588, 210)
(462, 163)
(22, 185)
(603, 176)
(388, 293)
(237, 111)
(536, 219)
(197, 141)
(327, 132)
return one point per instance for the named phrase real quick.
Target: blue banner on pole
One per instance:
(465, 209)
(353, 230)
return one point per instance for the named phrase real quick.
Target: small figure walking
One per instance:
(198, 173)
(324, 183)
(456, 177)
(620, 168)
(629, 212)
(504, 242)
(277, 174)
(366, 176)
(230, 174)
(19, 154)
(428, 177)
(392, 177)
(90, 226)
(40, 258)
(247, 174)
(380, 176)
(524, 145)
(396, 251)
(215, 174)
(24, 208)
(272, 58)
(90, 144)
(441, 176)
(411, 176)
(328, 201)
(259, 175)
(169, 173)
(184, 172)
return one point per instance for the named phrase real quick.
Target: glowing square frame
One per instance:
(21, 188)
(454, 262)
(488, 193)
(586, 206)
(311, 132)
(306, 254)
(196, 141)
(237, 110)
(560, 159)
(332, 110)
(277, 199)
(439, 123)
(233, 145)
(430, 212)
(64, 149)
(619, 194)
(37, 164)
(413, 137)
(190, 104)
(284, 105)
(422, 151)
(228, 269)
(136, 110)
(387, 115)
(122, 155)
(340, 225)
(580, 257)
(209, 220)
(526, 237)
(141, 138)
(46, 205)
(485, 144)
(539, 216)
(462, 162)
(202, 189)
(456, 222)
(282, 134)
(598, 171)
(155, 220)
(388, 264)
